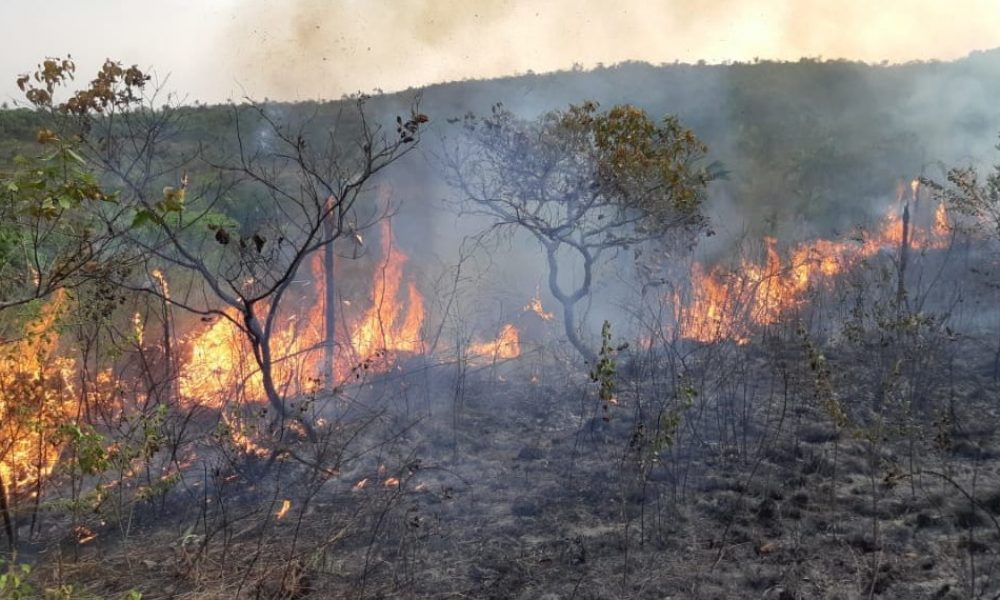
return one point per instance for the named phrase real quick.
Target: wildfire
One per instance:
(941, 225)
(162, 282)
(221, 364)
(138, 327)
(218, 359)
(727, 304)
(390, 324)
(535, 306)
(241, 436)
(35, 397)
(506, 345)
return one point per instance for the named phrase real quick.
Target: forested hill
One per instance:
(821, 142)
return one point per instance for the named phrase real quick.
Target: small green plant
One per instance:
(89, 455)
(12, 581)
(63, 592)
(605, 371)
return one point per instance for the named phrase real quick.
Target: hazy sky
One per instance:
(298, 49)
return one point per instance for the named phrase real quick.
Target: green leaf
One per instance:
(141, 218)
(75, 156)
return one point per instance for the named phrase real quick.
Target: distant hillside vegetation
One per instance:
(812, 143)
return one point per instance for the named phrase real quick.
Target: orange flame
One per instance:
(390, 325)
(286, 504)
(941, 224)
(35, 397)
(138, 327)
(728, 305)
(506, 345)
(535, 306)
(221, 364)
(241, 437)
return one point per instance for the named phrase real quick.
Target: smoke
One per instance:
(320, 49)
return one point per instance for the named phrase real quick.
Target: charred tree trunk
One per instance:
(274, 397)
(261, 344)
(168, 352)
(904, 251)
(8, 519)
(569, 323)
(262, 354)
(329, 309)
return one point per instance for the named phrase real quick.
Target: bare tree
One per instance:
(238, 226)
(584, 184)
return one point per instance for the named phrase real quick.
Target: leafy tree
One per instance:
(584, 183)
(49, 236)
(978, 199)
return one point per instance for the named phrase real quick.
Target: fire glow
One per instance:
(720, 304)
(726, 304)
(221, 364)
(33, 378)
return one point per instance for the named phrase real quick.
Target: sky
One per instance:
(214, 50)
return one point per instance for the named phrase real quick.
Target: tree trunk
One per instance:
(568, 302)
(273, 396)
(262, 352)
(569, 322)
(262, 355)
(904, 250)
(8, 519)
(329, 309)
(168, 353)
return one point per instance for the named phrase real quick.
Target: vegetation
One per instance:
(585, 184)
(840, 438)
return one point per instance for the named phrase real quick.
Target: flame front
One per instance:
(507, 345)
(390, 324)
(221, 364)
(535, 306)
(727, 304)
(36, 396)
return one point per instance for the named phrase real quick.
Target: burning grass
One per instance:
(391, 327)
(706, 474)
(728, 303)
(36, 397)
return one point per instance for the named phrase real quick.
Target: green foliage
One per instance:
(648, 446)
(975, 199)
(632, 153)
(605, 371)
(91, 454)
(12, 581)
(14, 586)
(50, 236)
(87, 448)
(617, 172)
(670, 419)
